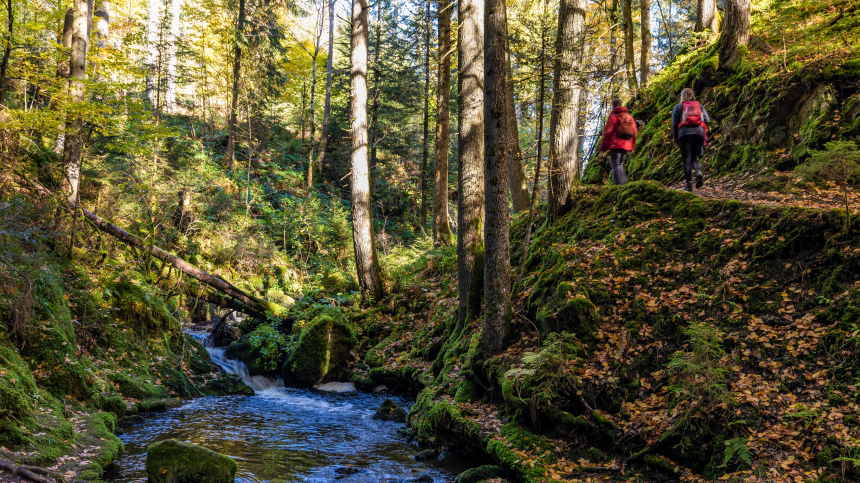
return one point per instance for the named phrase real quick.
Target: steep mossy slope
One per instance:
(657, 333)
(795, 87)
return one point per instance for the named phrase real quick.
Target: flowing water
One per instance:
(283, 434)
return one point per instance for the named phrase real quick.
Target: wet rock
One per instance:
(422, 479)
(172, 461)
(380, 388)
(480, 473)
(336, 387)
(390, 411)
(322, 349)
(225, 334)
(129, 420)
(227, 385)
(427, 454)
(347, 470)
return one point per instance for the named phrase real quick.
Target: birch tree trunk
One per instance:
(366, 262)
(441, 228)
(425, 152)
(153, 45)
(736, 32)
(645, 54)
(72, 151)
(172, 48)
(629, 55)
(497, 249)
(230, 156)
(516, 170)
(706, 15)
(470, 160)
(564, 119)
(327, 108)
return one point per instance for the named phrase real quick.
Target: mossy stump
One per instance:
(171, 461)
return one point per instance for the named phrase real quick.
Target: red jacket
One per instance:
(609, 140)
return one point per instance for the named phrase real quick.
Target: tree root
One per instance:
(28, 472)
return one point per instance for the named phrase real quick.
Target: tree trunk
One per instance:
(72, 150)
(153, 29)
(102, 23)
(63, 71)
(470, 159)
(564, 120)
(425, 150)
(516, 170)
(7, 50)
(645, 55)
(497, 249)
(172, 48)
(317, 37)
(736, 32)
(230, 156)
(366, 262)
(327, 108)
(441, 227)
(629, 55)
(706, 16)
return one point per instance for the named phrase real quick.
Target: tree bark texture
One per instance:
(72, 150)
(736, 32)
(564, 119)
(374, 107)
(317, 36)
(230, 156)
(441, 227)
(153, 42)
(172, 49)
(101, 16)
(213, 281)
(645, 53)
(7, 50)
(63, 72)
(425, 150)
(470, 160)
(497, 249)
(328, 69)
(516, 169)
(706, 15)
(366, 262)
(629, 54)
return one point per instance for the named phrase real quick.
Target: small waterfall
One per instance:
(204, 338)
(258, 383)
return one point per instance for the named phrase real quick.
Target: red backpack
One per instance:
(626, 126)
(691, 114)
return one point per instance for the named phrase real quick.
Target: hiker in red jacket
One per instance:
(690, 132)
(619, 138)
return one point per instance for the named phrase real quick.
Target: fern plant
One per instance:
(737, 448)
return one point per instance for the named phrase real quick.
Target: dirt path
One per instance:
(791, 192)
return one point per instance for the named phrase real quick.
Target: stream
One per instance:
(283, 434)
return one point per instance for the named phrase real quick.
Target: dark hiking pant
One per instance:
(617, 157)
(691, 149)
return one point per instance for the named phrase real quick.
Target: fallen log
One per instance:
(26, 472)
(217, 283)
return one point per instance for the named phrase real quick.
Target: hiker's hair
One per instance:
(616, 103)
(688, 95)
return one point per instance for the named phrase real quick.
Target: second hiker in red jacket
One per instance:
(619, 138)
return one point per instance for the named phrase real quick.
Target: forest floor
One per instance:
(777, 189)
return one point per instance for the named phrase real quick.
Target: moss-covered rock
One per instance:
(172, 461)
(480, 473)
(323, 347)
(227, 385)
(391, 411)
(243, 352)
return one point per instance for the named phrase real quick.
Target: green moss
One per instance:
(171, 461)
(478, 474)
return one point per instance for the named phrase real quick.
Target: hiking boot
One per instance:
(699, 179)
(688, 187)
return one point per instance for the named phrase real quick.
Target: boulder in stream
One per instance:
(480, 473)
(227, 385)
(323, 348)
(390, 411)
(243, 352)
(172, 461)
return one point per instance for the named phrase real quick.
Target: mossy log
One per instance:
(213, 281)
